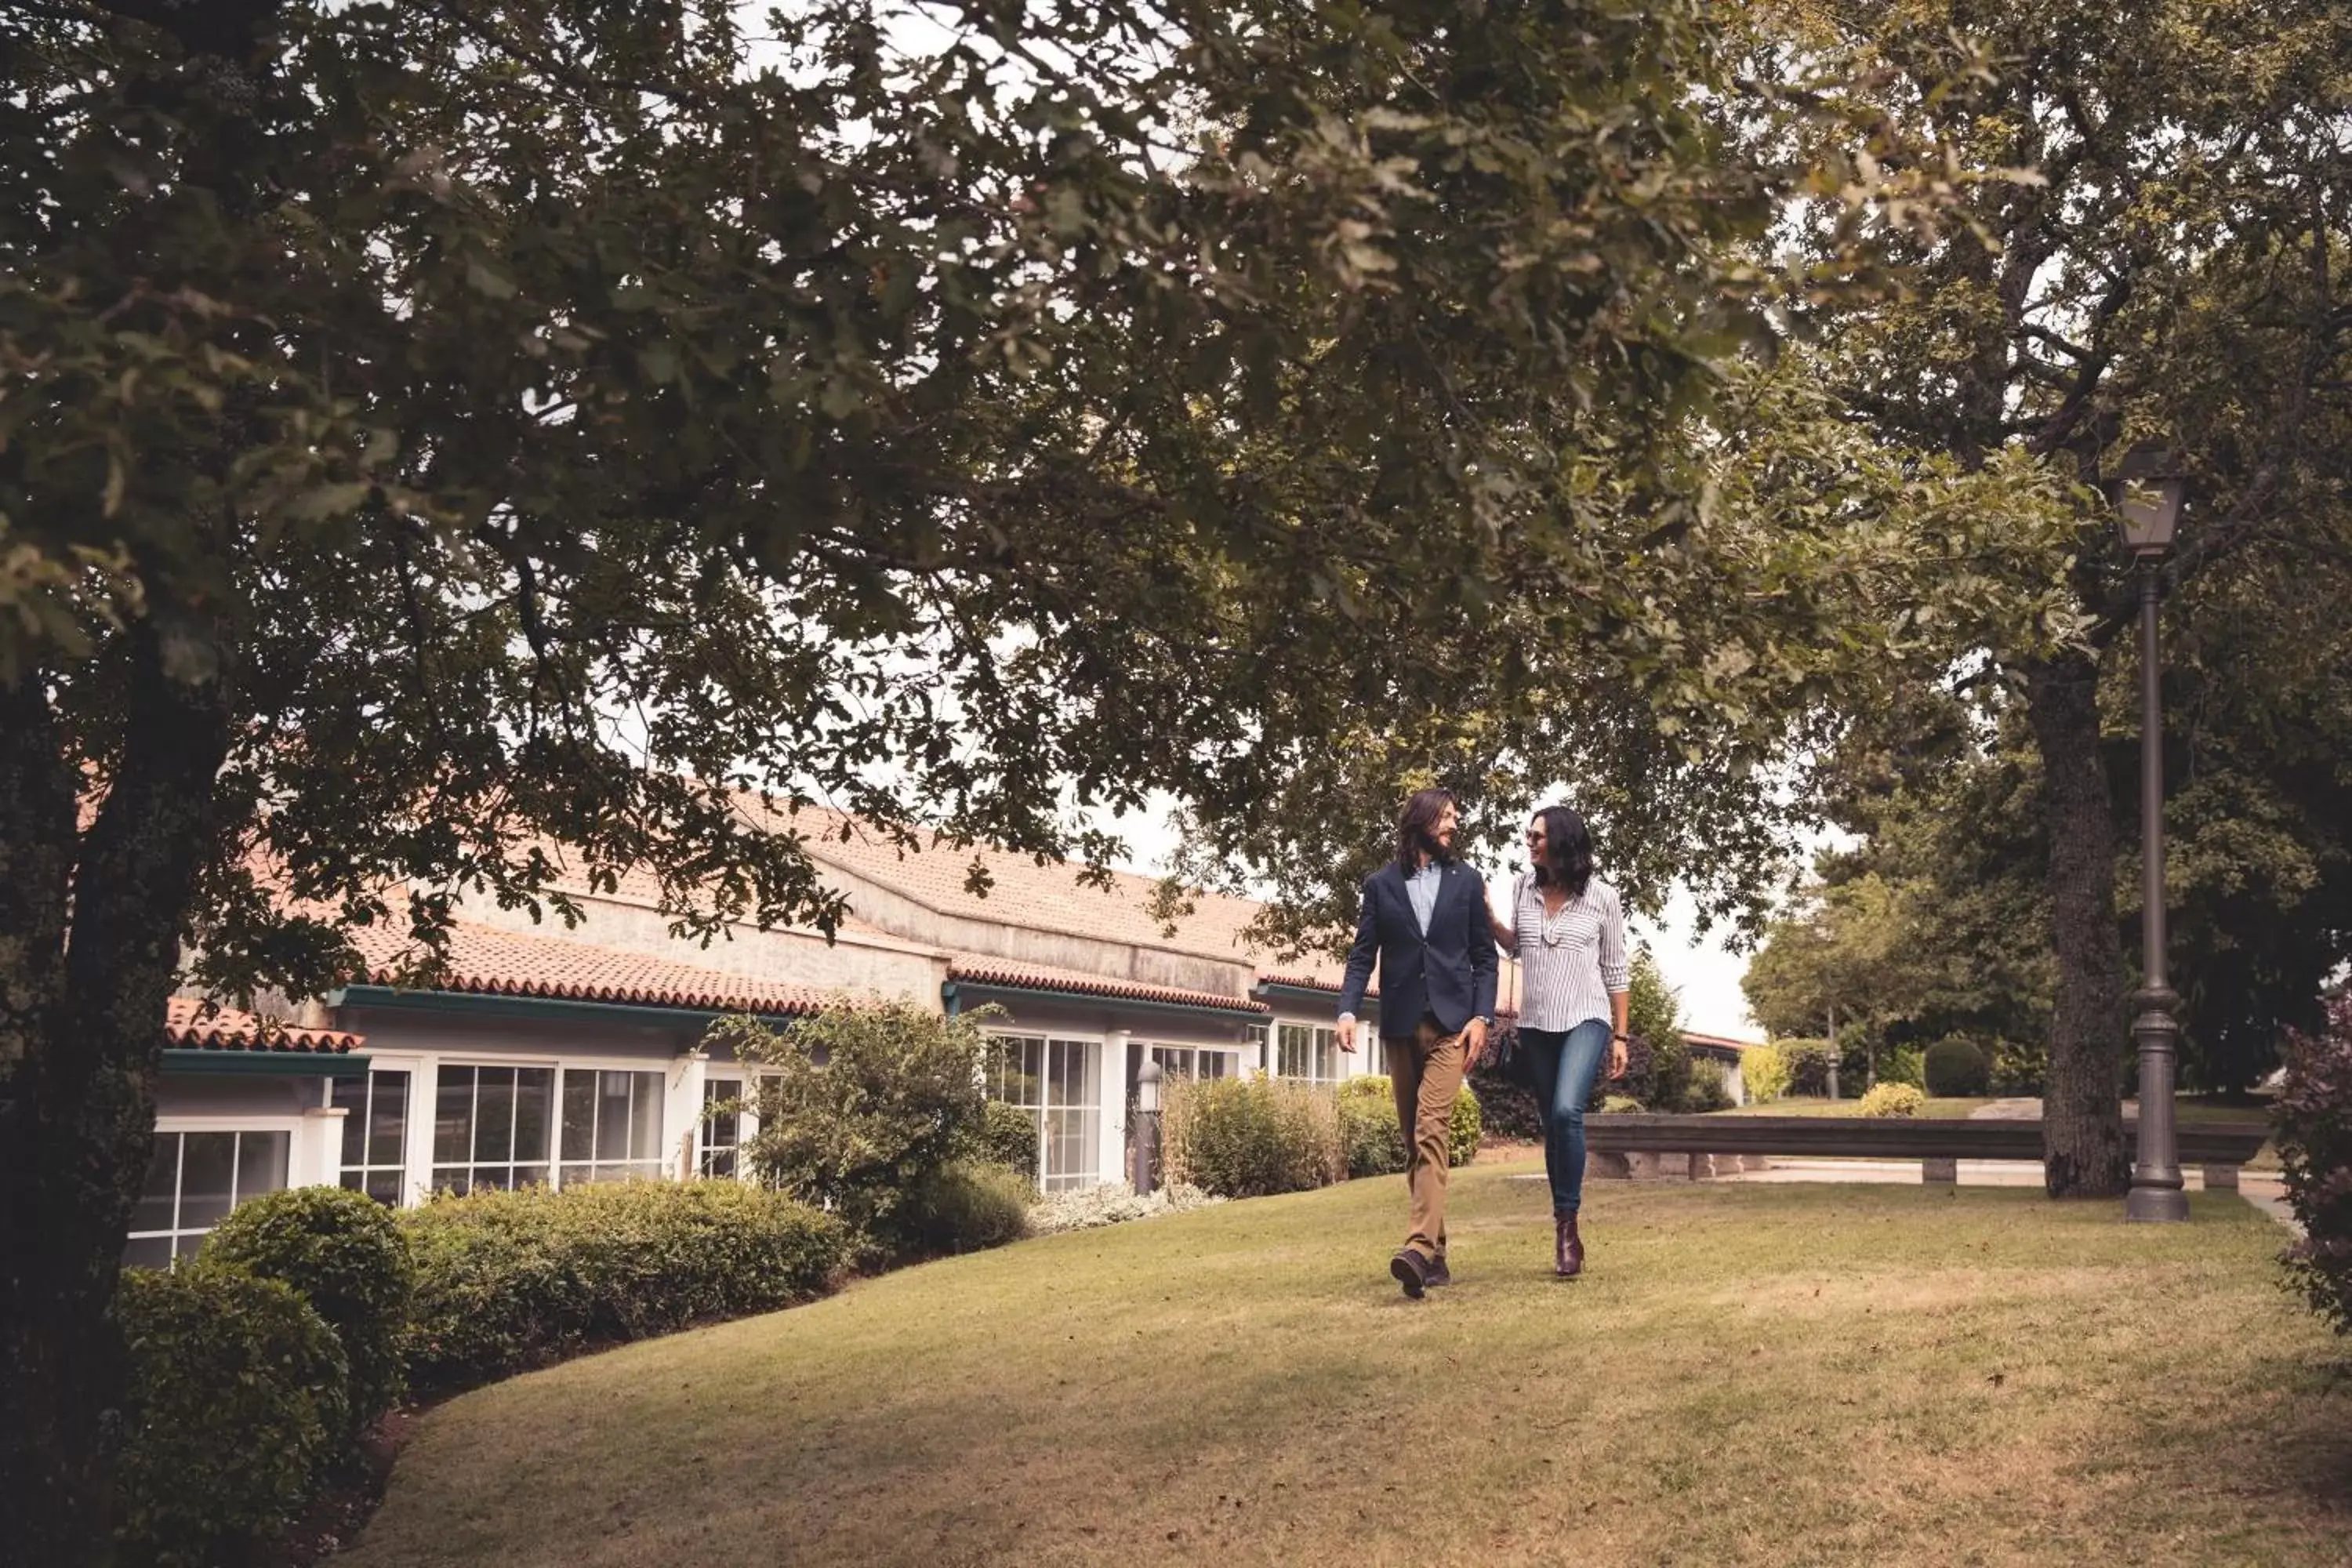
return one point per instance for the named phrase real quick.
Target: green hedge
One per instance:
(344, 1254)
(1007, 1136)
(1709, 1090)
(234, 1408)
(968, 1206)
(1245, 1136)
(1374, 1139)
(1956, 1066)
(506, 1281)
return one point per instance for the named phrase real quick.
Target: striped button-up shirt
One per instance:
(1569, 962)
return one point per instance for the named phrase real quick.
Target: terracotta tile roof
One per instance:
(1048, 897)
(229, 1030)
(980, 970)
(486, 961)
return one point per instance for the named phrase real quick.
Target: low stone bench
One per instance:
(1642, 1147)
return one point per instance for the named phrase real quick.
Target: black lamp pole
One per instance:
(2149, 501)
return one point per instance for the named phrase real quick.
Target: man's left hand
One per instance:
(1474, 1043)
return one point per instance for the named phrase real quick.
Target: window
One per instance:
(376, 1133)
(490, 1127)
(1059, 1082)
(1307, 1051)
(1253, 1037)
(611, 1125)
(722, 1133)
(1188, 1061)
(194, 1179)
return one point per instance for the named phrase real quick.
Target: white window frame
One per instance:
(1086, 1172)
(1232, 1055)
(718, 1086)
(646, 1166)
(1323, 1048)
(398, 1165)
(172, 1126)
(440, 1065)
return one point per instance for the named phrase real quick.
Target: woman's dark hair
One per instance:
(1416, 825)
(1568, 851)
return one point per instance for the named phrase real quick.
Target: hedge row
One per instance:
(254, 1370)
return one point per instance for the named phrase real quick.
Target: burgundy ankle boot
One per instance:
(1567, 1247)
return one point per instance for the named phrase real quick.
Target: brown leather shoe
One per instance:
(1410, 1271)
(1567, 1247)
(1437, 1273)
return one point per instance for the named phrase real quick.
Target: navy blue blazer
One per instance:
(1448, 975)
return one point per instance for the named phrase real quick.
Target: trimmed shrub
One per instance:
(1905, 1065)
(1955, 1067)
(1507, 1105)
(1710, 1087)
(1368, 1131)
(506, 1281)
(1112, 1203)
(860, 1104)
(1658, 1072)
(233, 1409)
(2314, 1117)
(1620, 1105)
(1245, 1136)
(1007, 1136)
(1465, 1127)
(343, 1253)
(968, 1206)
(1766, 1070)
(1374, 1140)
(1809, 1065)
(1892, 1100)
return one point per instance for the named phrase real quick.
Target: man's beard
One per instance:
(1430, 846)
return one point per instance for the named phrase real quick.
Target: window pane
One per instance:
(528, 1176)
(615, 1114)
(494, 1108)
(452, 1115)
(208, 1178)
(384, 1186)
(350, 1098)
(534, 1103)
(579, 1115)
(261, 1162)
(387, 1135)
(148, 1252)
(153, 1210)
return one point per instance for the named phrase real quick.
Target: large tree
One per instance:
(2175, 274)
(433, 431)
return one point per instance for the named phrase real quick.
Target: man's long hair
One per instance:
(1416, 828)
(1567, 860)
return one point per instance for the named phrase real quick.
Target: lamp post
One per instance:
(2149, 492)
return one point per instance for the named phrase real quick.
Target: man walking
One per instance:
(1425, 915)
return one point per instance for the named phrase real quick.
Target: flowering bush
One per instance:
(1892, 1100)
(1113, 1202)
(1767, 1072)
(2315, 1139)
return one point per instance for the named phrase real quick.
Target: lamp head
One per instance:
(1146, 1089)
(2148, 490)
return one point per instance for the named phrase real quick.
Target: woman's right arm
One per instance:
(1506, 933)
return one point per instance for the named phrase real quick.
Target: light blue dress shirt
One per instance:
(1420, 887)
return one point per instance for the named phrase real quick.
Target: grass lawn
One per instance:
(1750, 1373)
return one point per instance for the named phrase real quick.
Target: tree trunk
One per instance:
(82, 998)
(2082, 1105)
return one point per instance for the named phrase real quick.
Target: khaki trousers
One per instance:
(1426, 1069)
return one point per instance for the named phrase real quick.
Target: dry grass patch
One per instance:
(1752, 1373)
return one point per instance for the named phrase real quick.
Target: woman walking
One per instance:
(1568, 930)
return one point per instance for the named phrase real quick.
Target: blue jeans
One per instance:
(1564, 1063)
